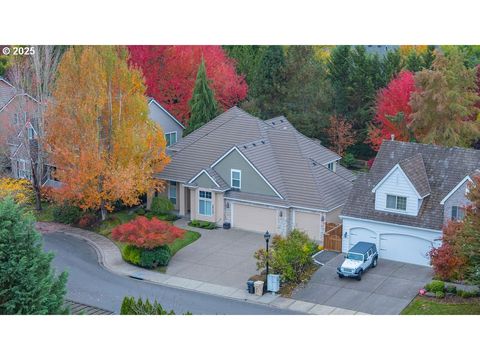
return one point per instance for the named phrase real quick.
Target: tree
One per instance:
(392, 64)
(101, 140)
(130, 306)
(443, 105)
(246, 58)
(339, 66)
(20, 190)
(340, 134)
(170, 73)
(203, 106)
(28, 284)
(393, 111)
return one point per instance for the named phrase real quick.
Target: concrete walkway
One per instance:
(110, 258)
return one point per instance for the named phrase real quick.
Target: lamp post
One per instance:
(266, 236)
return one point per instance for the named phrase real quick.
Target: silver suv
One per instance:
(361, 256)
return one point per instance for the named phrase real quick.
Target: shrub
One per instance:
(159, 256)
(140, 211)
(130, 306)
(147, 234)
(467, 294)
(289, 256)
(20, 190)
(87, 220)
(66, 214)
(436, 286)
(131, 254)
(451, 289)
(445, 260)
(203, 224)
(168, 217)
(348, 160)
(439, 294)
(161, 206)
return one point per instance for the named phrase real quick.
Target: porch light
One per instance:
(345, 235)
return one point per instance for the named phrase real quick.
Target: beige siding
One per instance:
(334, 216)
(309, 222)
(254, 218)
(217, 203)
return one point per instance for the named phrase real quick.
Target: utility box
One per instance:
(273, 283)
(259, 288)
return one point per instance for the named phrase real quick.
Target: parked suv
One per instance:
(361, 256)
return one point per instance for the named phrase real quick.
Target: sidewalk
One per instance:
(110, 258)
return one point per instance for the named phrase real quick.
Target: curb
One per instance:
(270, 300)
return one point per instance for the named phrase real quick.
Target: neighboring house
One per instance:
(256, 175)
(172, 128)
(402, 204)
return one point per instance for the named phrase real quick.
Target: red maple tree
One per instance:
(170, 73)
(147, 234)
(391, 101)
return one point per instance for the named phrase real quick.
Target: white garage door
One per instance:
(308, 222)
(405, 248)
(254, 218)
(362, 234)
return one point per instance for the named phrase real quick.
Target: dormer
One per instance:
(403, 188)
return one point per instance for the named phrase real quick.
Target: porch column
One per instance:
(181, 199)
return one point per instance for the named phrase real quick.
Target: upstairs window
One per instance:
(331, 166)
(458, 213)
(236, 179)
(31, 133)
(396, 202)
(171, 138)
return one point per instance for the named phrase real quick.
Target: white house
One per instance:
(411, 191)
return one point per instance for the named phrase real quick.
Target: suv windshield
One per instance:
(353, 256)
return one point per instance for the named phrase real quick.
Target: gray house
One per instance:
(172, 128)
(410, 193)
(256, 175)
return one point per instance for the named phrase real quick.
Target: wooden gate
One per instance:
(332, 240)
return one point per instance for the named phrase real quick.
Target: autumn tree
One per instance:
(170, 73)
(101, 140)
(340, 134)
(443, 105)
(203, 106)
(393, 111)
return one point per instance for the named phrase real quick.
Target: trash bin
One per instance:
(259, 288)
(226, 225)
(250, 287)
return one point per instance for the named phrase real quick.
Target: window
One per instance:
(205, 203)
(396, 202)
(331, 166)
(171, 138)
(172, 192)
(23, 170)
(236, 179)
(458, 213)
(15, 119)
(31, 133)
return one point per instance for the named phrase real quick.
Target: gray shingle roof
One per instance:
(444, 169)
(279, 152)
(7, 92)
(414, 168)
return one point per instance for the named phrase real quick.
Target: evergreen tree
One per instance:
(392, 64)
(203, 106)
(339, 67)
(414, 61)
(28, 284)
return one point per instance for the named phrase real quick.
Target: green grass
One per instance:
(188, 238)
(44, 215)
(424, 306)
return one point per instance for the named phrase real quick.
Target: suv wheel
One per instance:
(374, 262)
(359, 277)
(340, 276)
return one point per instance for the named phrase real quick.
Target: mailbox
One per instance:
(273, 283)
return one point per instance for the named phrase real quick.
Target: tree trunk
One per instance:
(103, 211)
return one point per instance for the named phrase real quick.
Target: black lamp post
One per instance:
(266, 236)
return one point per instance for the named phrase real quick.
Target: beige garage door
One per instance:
(254, 218)
(308, 222)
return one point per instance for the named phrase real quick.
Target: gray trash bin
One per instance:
(258, 288)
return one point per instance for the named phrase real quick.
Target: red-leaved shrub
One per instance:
(147, 234)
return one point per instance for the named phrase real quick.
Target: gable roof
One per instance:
(444, 169)
(152, 100)
(280, 154)
(414, 168)
(7, 92)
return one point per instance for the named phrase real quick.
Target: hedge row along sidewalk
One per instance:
(110, 258)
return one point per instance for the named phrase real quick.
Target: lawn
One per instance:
(44, 215)
(430, 306)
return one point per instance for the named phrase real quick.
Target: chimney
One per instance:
(392, 137)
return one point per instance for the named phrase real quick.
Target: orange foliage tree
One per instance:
(340, 134)
(103, 144)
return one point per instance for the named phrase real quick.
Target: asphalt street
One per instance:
(91, 284)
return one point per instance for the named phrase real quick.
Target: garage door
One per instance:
(254, 218)
(308, 222)
(405, 248)
(362, 234)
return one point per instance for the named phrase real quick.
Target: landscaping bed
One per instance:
(446, 306)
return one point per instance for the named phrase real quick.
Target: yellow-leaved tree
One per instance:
(101, 141)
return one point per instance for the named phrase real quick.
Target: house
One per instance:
(256, 175)
(172, 128)
(409, 194)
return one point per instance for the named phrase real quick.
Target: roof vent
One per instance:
(281, 121)
(392, 136)
(263, 142)
(254, 144)
(273, 122)
(244, 146)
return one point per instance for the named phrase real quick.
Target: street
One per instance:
(91, 284)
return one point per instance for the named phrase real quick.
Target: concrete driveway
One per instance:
(223, 257)
(386, 289)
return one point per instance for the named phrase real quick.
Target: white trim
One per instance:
(455, 189)
(6, 82)
(200, 173)
(167, 112)
(395, 209)
(249, 163)
(169, 133)
(211, 200)
(23, 94)
(239, 180)
(387, 223)
(403, 172)
(255, 202)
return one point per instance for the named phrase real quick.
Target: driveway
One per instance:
(223, 257)
(386, 289)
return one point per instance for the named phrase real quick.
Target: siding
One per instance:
(397, 184)
(204, 181)
(456, 199)
(164, 120)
